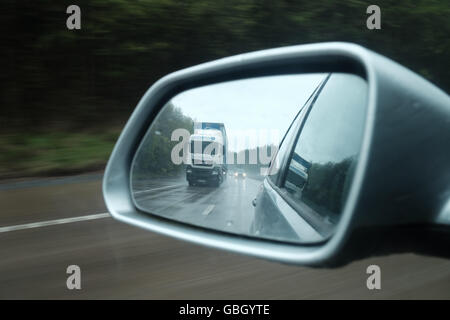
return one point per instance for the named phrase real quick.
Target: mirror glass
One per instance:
(212, 158)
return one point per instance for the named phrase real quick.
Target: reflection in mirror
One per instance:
(206, 158)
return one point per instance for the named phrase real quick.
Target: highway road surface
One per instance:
(48, 224)
(225, 208)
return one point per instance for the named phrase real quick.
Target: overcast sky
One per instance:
(263, 107)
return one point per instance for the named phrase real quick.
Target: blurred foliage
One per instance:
(72, 81)
(54, 153)
(58, 79)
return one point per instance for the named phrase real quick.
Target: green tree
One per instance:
(154, 155)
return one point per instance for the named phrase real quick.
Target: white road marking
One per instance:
(53, 222)
(208, 210)
(161, 188)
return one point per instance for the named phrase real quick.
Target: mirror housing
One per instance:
(401, 187)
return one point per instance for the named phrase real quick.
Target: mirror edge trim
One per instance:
(116, 188)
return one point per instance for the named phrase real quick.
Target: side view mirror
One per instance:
(314, 155)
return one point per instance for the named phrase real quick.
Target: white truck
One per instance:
(207, 154)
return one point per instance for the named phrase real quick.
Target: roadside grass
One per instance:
(54, 153)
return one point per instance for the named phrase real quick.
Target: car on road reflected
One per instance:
(240, 173)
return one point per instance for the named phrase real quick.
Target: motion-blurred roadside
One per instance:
(67, 93)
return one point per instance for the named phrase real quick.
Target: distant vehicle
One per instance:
(208, 150)
(240, 174)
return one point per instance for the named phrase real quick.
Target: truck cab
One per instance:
(207, 152)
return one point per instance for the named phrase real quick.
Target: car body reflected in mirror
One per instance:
(211, 157)
(323, 150)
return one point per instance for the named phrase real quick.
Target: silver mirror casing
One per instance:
(404, 111)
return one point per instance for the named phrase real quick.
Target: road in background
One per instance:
(121, 261)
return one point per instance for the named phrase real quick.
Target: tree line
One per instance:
(58, 79)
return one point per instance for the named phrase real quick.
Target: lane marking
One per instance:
(161, 188)
(53, 222)
(208, 209)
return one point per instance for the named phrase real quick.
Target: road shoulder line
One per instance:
(53, 222)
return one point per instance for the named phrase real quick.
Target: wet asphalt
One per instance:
(118, 261)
